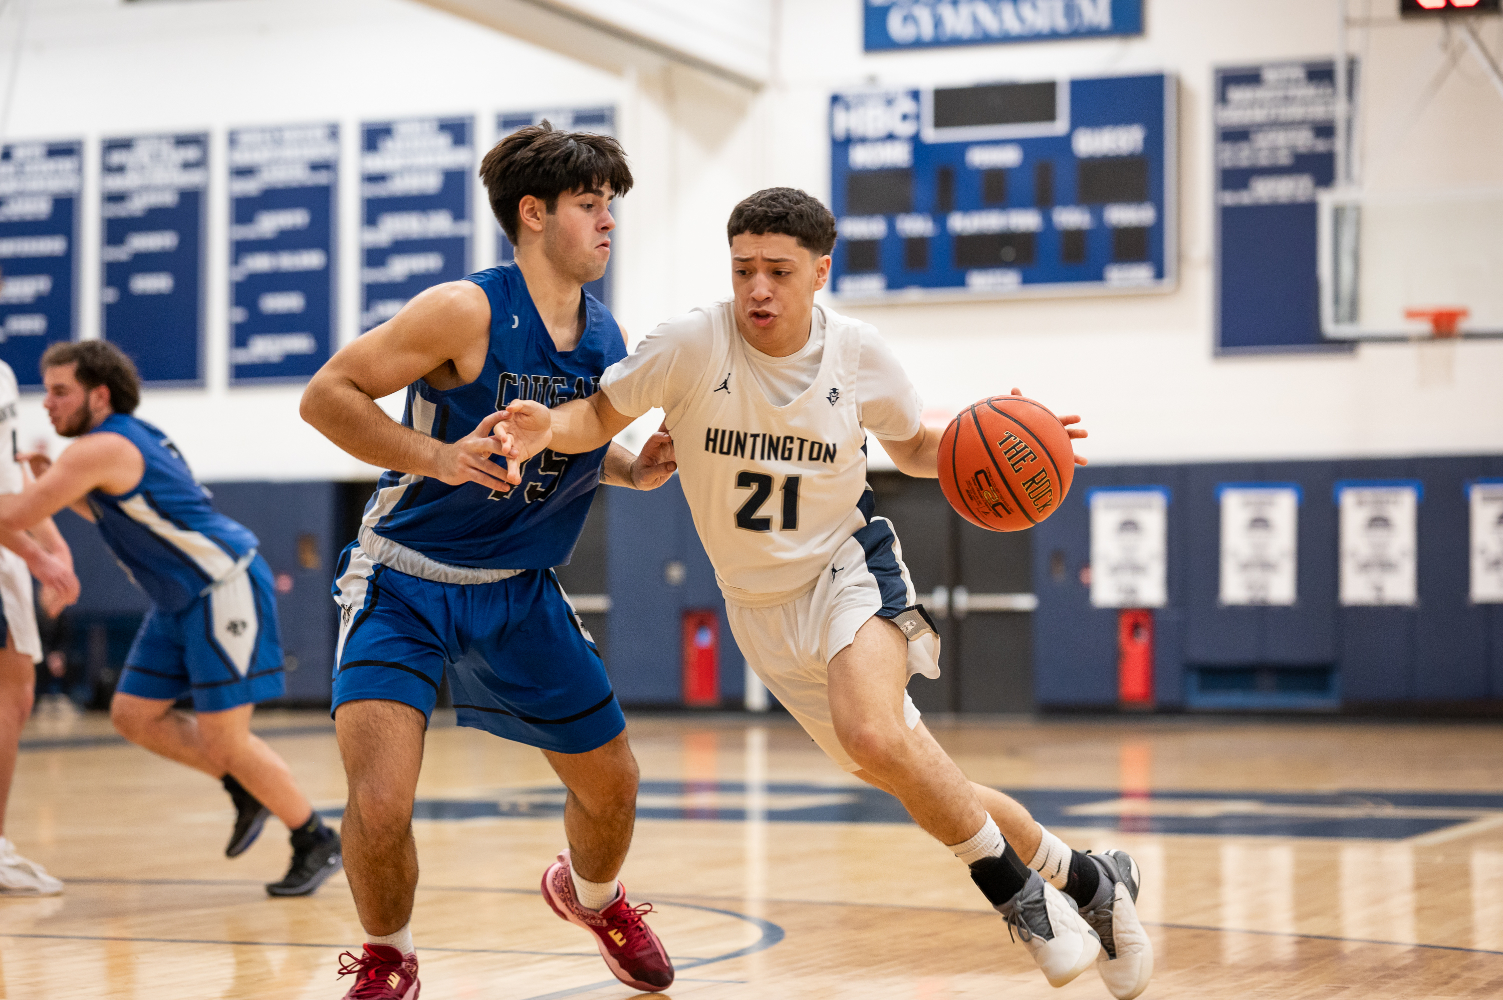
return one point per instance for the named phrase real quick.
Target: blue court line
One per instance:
(772, 934)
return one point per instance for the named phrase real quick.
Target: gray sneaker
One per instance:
(1126, 962)
(1051, 929)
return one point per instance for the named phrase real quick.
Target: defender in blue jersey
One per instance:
(212, 630)
(452, 569)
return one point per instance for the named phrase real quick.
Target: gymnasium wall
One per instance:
(1142, 369)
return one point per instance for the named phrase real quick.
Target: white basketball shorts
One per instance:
(790, 645)
(19, 605)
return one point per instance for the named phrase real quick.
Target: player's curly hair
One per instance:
(543, 162)
(787, 211)
(99, 363)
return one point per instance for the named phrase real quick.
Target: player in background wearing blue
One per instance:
(212, 628)
(452, 567)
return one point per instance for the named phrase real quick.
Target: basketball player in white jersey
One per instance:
(39, 550)
(769, 398)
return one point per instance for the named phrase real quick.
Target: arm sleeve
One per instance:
(889, 404)
(663, 369)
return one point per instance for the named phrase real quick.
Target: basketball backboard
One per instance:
(1401, 266)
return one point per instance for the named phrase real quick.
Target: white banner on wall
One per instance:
(1129, 547)
(1487, 541)
(1378, 542)
(1259, 533)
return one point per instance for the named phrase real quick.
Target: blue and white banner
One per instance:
(284, 184)
(601, 121)
(1486, 502)
(40, 184)
(1259, 543)
(920, 24)
(416, 214)
(1129, 547)
(1379, 541)
(154, 198)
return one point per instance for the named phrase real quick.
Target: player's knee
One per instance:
(223, 747)
(18, 693)
(129, 719)
(383, 809)
(874, 744)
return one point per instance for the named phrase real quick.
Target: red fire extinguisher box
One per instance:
(701, 659)
(1135, 657)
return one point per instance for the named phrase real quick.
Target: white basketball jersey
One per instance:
(10, 444)
(773, 489)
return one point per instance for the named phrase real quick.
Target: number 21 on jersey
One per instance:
(749, 516)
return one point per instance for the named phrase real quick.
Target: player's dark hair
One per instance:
(99, 363)
(543, 162)
(789, 212)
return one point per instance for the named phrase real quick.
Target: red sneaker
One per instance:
(630, 949)
(382, 973)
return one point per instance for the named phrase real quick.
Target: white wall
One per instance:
(1140, 368)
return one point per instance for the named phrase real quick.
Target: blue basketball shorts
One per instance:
(521, 664)
(223, 648)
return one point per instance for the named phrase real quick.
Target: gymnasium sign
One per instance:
(416, 210)
(601, 121)
(154, 191)
(1056, 187)
(1487, 541)
(283, 206)
(40, 186)
(1259, 532)
(923, 24)
(1129, 547)
(1378, 542)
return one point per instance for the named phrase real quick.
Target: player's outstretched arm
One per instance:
(442, 336)
(919, 455)
(575, 428)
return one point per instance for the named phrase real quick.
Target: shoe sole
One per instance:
(240, 846)
(1145, 972)
(610, 962)
(312, 885)
(1089, 949)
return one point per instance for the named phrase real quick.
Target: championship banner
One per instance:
(41, 184)
(924, 24)
(1259, 533)
(416, 210)
(1487, 541)
(1129, 547)
(1378, 542)
(283, 212)
(154, 191)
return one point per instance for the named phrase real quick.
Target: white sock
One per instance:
(1052, 859)
(593, 895)
(401, 940)
(987, 843)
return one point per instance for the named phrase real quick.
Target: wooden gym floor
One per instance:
(1289, 860)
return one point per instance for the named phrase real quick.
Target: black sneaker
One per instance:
(250, 817)
(310, 867)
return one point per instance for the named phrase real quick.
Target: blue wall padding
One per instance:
(1442, 650)
(646, 531)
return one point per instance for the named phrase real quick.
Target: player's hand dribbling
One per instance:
(655, 463)
(1076, 433)
(468, 460)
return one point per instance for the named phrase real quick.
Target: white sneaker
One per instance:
(1052, 930)
(20, 877)
(1126, 962)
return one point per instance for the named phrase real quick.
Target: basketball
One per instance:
(1005, 463)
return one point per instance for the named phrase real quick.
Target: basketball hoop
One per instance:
(1443, 320)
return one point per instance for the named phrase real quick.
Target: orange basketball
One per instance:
(1006, 463)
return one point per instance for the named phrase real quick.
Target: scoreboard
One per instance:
(1057, 187)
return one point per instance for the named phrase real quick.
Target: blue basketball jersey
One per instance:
(536, 525)
(165, 532)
